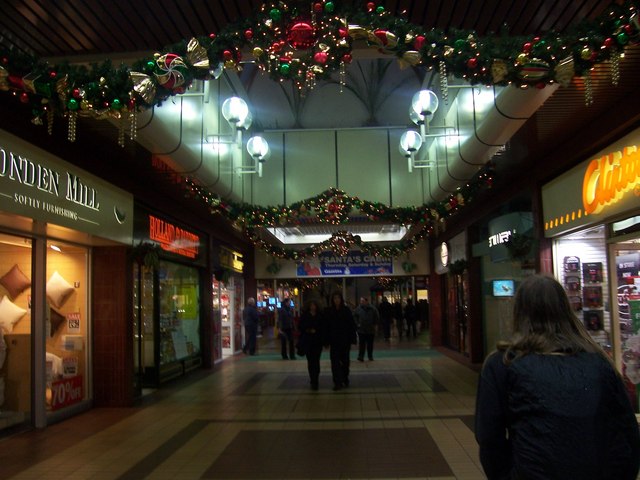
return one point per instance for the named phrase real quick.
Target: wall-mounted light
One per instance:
(236, 112)
(410, 143)
(424, 105)
(258, 148)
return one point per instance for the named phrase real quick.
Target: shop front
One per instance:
(592, 216)
(228, 301)
(52, 215)
(168, 281)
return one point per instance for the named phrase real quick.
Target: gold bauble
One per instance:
(257, 52)
(585, 54)
(522, 58)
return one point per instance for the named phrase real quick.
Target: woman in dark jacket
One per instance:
(550, 403)
(312, 336)
(341, 334)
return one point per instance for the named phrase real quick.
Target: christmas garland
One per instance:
(335, 207)
(306, 41)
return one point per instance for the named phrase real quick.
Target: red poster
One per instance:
(66, 392)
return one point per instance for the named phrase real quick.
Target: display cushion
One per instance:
(56, 319)
(10, 313)
(15, 282)
(58, 290)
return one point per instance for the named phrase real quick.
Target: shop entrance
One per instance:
(627, 314)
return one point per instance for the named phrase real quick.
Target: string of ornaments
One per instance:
(305, 42)
(335, 207)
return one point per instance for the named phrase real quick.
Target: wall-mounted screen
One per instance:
(503, 288)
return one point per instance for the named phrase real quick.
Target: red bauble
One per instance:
(212, 36)
(317, 7)
(321, 58)
(302, 35)
(24, 97)
(276, 47)
(131, 105)
(382, 35)
(5, 60)
(227, 55)
(347, 58)
(540, 85)
(418, 43)
(53, 74)
(536, 39)
(526, 48)
(248, 34)
(371, 6)
(76, 93)
(343, 32)
(628, 29)
(608, 42)
(472, 63)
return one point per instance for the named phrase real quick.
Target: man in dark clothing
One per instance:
(341, 334)
(366, 319)
(285, 327)
(410, 318)
(250, 319)
(386, 314)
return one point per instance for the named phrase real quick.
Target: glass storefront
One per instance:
(66, 328)
(166, 322)
(15, 330)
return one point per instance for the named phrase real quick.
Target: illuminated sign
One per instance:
(37, 185)
(230, 259)
(609, 177)
(500, 238)
(173, 239)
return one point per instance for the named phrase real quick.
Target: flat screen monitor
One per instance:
(272, 301)
(259, 304)
(503, 288)
(278, 305)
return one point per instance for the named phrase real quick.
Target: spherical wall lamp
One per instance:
(258, 148)
(410, 141)
(235, 111)
(425, 104)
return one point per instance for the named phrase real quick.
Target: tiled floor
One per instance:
(408, 414)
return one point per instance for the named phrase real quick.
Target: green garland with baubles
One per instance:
(335, 207)
(306, 41)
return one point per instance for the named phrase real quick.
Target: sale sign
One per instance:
(66, 392)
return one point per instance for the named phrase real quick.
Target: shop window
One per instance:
(581, 266)
(67, 326)
(179, 313)
(15, 330)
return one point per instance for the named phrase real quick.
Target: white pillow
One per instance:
(56, 364)
(10, 313)
(58, 290)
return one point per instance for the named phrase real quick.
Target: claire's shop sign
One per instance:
(37, 185)
(606, 185)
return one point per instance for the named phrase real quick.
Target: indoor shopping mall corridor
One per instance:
(407, 414)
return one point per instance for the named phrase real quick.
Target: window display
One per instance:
(67, 325)
(179, 312)
(15, 330)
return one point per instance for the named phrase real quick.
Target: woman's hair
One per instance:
(339, 295)
(543, 322)
(312, 302)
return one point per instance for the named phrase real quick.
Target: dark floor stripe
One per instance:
(290, 454)
(467, 420)
(433, 384)
(249, 384)
(149, 463)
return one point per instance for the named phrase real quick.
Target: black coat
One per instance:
(555, 417)
(341, 328)
(312, 329)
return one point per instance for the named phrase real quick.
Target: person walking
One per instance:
(312, 336)
(410, 318)
(366, 320)
(285, 330)
(341, 334)
(386, 314)
(250, 318)
(550, 404)
(398, 318)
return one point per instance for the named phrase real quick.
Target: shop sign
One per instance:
(231, 259)
(606, 185)
(172, 238)
(37, 185)
(66, 392)
(354, 263)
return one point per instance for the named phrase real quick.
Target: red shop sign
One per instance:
(66, 392)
